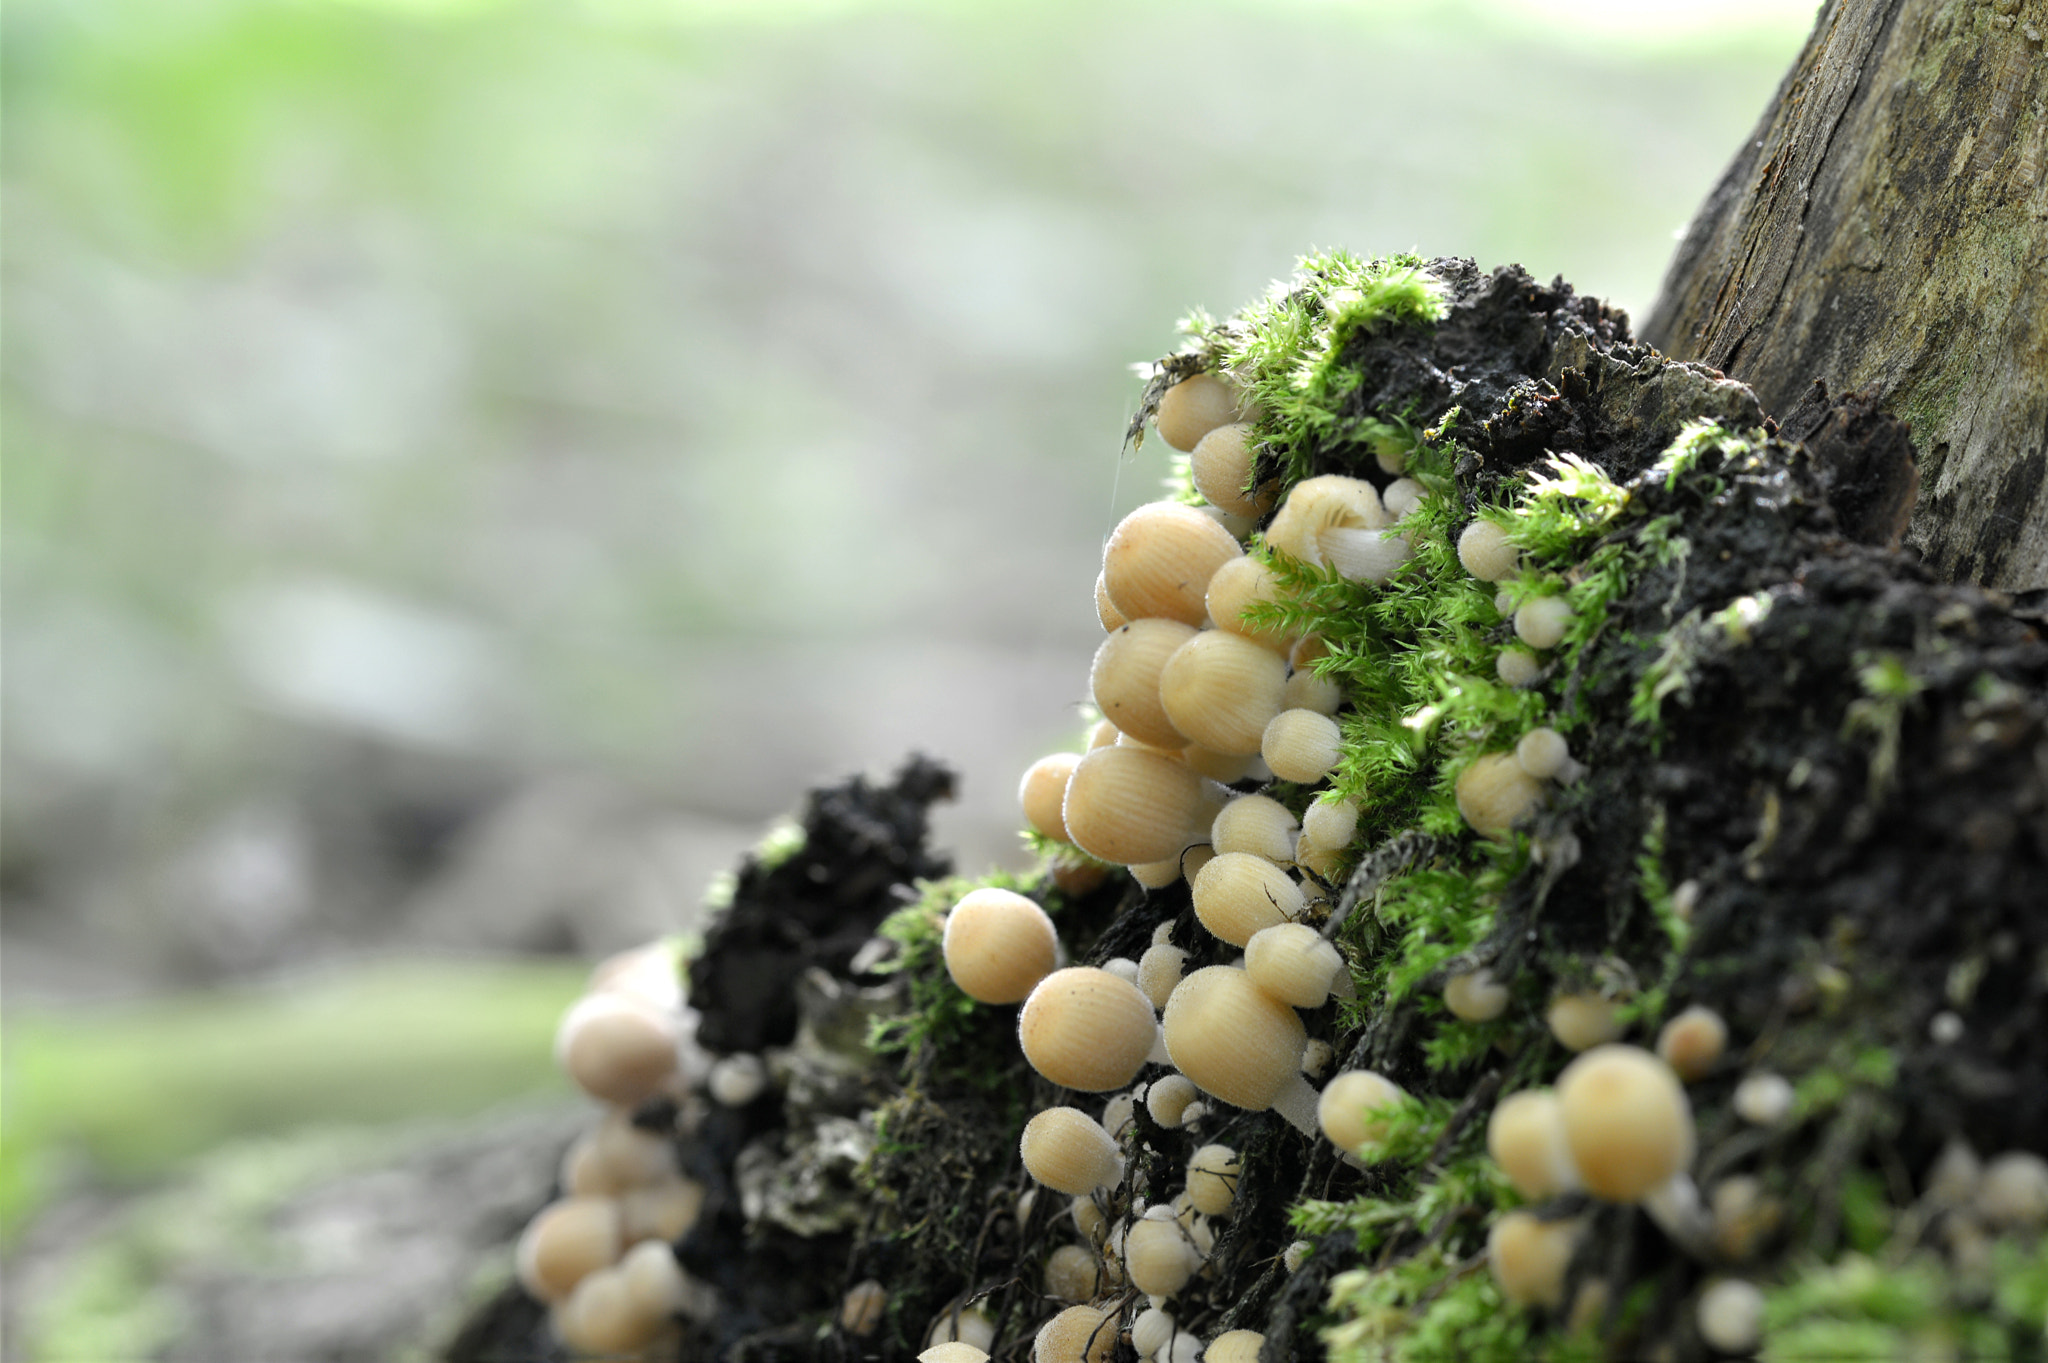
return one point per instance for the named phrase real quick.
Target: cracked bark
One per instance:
(1885, 232)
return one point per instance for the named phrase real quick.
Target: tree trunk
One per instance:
(1886, 231)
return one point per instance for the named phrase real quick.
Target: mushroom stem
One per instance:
(1676, 1207)
(1296, 1101)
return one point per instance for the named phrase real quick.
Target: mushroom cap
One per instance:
(1167, 1099)
(601, 1317)
(1626, 1121)
(1306, 691)
(1079, 1334)
(1159, 971)
(1221, 467)
(1258, 824)
(954, 1351)
(1693, 1042)
(1346, 1111)
(567, 1241)
(1196, 406)
(1236, 586)
(1525, 1137)
(1071, 1274)
(1541, 623)
(617, 1048)
(1583, 1021)
(662, 1211)
(1529, 1257)
(1105, 609)
(1124, 679)
(1128, 805)
(1475, 996)
(1222, 689)
(1234, 1041)
(1159, 561)
(998, 945)
(1237, 894)
(965, 1325)
(1212, 1179)
(1087, 1029)
(1517, 667)
(2012, 1194)
(1158, 1257)
(1329, 822)
(1731, 1316)
(1543, 753)
(1301, 745)
(1494, 794)
(1043, 792)
(1484, 550)
(1293, 963)
(1068, 1151)
(1235, 1346)
(1315, 505)
(656, 1285)
(860, 1310)
(1151, 1331)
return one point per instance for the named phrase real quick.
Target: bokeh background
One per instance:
(471, 464)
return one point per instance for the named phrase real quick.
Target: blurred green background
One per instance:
(470, 464)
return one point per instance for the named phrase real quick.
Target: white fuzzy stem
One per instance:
(1676, 1207)
(1296, 1101)
(1364, 555)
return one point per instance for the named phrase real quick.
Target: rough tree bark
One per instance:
(1886, 231)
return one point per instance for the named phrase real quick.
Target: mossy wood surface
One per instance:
(1815, 800)
(1885, 232)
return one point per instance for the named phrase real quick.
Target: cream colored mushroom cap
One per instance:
(1124, 679)
(1043, 793)
(1627, 1123)
(1348, 1110)
(1233, 1040)
(1196, 406)
(998, 945)
(1130, 805)
(1222, 689)
(1087, 1029)
(1079, 1334)
(1237, 894)
(1068, 1151)
(1159, 561)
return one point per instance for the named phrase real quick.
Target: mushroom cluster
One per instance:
(601, 1255)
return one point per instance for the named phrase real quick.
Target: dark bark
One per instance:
(1885, 232)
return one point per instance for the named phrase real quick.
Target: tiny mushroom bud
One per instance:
(1330, 822)
(1237, 894)
(1086, 1029)
(617, 1048)
(1317, 1057)
(1349, 1108)
(1124, 679)
(1529, 1257)
(1292, 962)
(1222, 467)
(1071, 1274)
(656, 1286)
(1237, 586)
(1295, 1255)
(1168, 1099)
(1583, 1021)
(1402, 496)
(1731, 1316)
(1119, 1112)
(2013, 1193)
(1743, 1215)
(1079, 1334)
(1156, 875)
(1517, 667)
(1763, 1098)
(1692, 1042)
(1132, 805)
(1543, 753)
(1222, 689)
(998, 945)
(1239, 1045)
(1159, 561)
(1044, 789)
(1197, 405)
(1212, 1179)
(736, 1080)
(1475, 996)
(1151, 1332)
(1541, 623)
(1301, 745)
(601, 1317)
(860, 1311)
(1159, 971)
(965, 1325)
(1494, 794)
(1068, 1151)
(662, 1211)
(1484, 550)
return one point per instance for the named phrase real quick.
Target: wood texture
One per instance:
(1885, 231)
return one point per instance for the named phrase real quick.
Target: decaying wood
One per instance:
(1885, 231)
